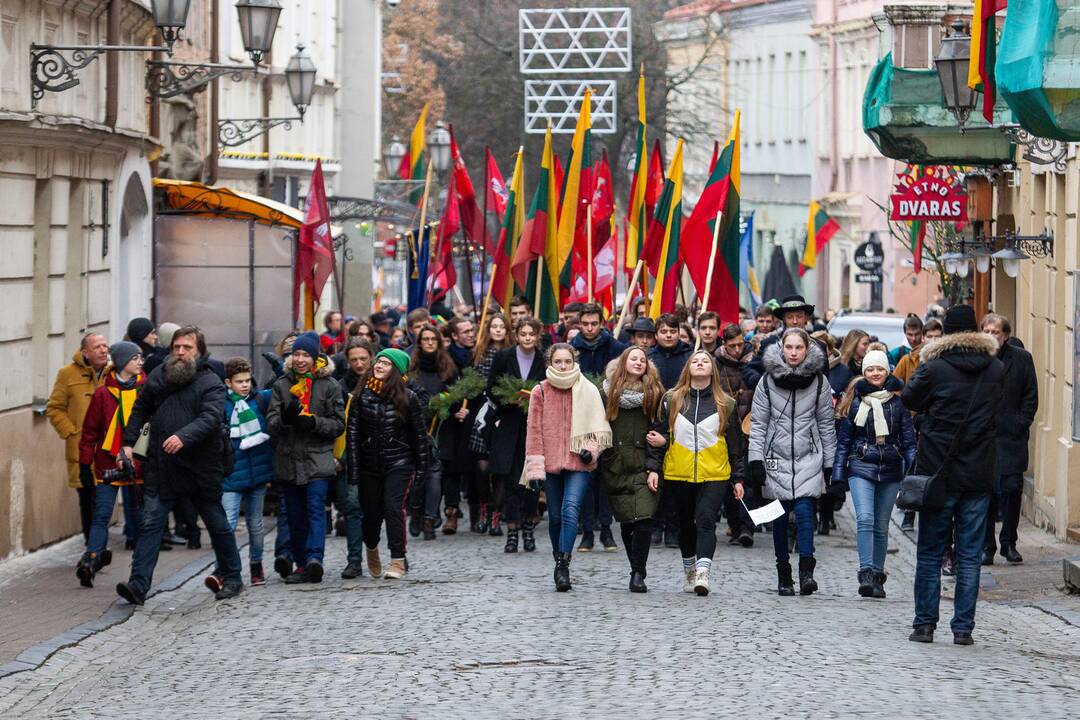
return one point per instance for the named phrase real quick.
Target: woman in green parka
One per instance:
(630, 468)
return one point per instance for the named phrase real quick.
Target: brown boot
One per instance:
(450, 526)
(396, 569)
(429, 528)
(374, 563)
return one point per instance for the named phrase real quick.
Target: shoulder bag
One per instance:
(915, 490)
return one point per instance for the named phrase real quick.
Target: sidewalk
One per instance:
(42, 601)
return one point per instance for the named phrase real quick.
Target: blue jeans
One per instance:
(804, 529)
(252, 501)
(306, 505)
(968, 514)
(155, 512)
(131, 512)
(282, 541)
(565, 493)
(874, 502)
(104, 501)
(347, 498)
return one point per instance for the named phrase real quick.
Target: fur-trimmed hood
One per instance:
(777, 367)
(966, 342)
(326, 371)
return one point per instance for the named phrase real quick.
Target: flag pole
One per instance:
(629, 296)
(487, 304)
(423, 219)
(484, 237)
(588, 249)
(539, 286)
(712, 264)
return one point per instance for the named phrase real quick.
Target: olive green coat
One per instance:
(625, 466)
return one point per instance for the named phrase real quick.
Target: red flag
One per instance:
(497, 194)
(314, 247)
(444, 275)
(472, 219)
(603, 203)
(655, 184)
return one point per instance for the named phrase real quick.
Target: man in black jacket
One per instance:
(670, 354)
(595, 345)
(957, 393)
(184, 402)
(1019, 403)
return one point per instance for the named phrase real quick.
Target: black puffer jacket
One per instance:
(194, 411)
(858, 453)
(379, 440)
(940, 391)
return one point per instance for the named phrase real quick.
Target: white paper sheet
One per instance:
(766, 514)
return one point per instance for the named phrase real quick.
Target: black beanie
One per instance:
(138, 329)
(960, 318)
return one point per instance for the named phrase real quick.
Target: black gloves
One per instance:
(827, 472)
(757, 473)
(290, 412)
(535, 486)
(304, 422)
(86, 476)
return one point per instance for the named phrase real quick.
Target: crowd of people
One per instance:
(424, 425)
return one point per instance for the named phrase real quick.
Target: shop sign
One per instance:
(929, 193)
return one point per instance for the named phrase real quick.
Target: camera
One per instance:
(124, 473)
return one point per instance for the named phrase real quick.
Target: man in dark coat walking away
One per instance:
(957, 393)
(1019, 403)
(184, 402)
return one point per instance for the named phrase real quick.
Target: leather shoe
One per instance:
(922, 634)
(962, 639)
(637, 583)
(1009, 553)
(988, 556)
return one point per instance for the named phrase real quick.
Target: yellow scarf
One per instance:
(125, 400)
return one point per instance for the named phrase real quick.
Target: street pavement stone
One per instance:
(472, 632)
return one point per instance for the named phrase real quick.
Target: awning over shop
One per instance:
(904, 115)
(217, 201)
(1038, 67)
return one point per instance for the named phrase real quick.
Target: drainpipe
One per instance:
(215, 54)
(112, 64)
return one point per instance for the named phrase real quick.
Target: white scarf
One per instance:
(588, 421)
(873, 401)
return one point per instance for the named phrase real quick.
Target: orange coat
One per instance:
(75, 385)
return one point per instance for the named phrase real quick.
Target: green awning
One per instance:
(904, 115)
(1038, 67)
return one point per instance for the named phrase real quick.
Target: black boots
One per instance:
(86, 569)
(807, 583)
(866, 582)
(416, 521)
(879, 584)
(637, 583)
(1009, 553)
(495, 527)
(429, 528)
(637, 552)
(562, 572)
(785, 586)
(480, 525)
(511, 541)
(527, 538)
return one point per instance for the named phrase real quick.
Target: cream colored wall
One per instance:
(1041, 301)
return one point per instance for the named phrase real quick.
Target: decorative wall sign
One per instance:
(930, 193)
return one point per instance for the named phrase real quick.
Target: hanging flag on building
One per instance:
(747, 274)
(918, 237)
(983, 54)
(314, 246)
(502, 282)
(472, 218)
(819, 230)
(412, 164)
(497, 195)
(538, 236)
(669, 218)
(637, 222)
(719, 202)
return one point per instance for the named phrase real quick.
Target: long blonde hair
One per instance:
(682, 389)
(851, 341)
(650, 386)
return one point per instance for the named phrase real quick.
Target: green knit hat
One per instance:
(399, 358)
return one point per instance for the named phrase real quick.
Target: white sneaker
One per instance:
(701, 582)
(688, 585)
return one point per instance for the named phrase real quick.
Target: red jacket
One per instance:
(103, 407)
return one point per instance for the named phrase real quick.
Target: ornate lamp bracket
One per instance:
(237, 131)
(52, 70)
(166, 79)
(1038, 150)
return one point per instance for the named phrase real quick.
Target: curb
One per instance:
(118, 612)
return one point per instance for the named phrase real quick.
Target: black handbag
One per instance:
(915, 490)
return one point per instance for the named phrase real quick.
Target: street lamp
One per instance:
(393, 155)
(439, 147)
(1010, 258)
(952, 68)
(170, 17)
(258, 23)
(300, 79)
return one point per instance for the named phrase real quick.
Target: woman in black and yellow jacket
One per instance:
(705, 452)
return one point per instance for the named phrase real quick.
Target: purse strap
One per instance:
(961, 426)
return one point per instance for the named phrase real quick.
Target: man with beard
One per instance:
(184, 402)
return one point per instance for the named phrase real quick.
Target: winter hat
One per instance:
(138, 329)
(309, 343)
(399, 358)
(165, 332)
(875, 358)
(122, 352)
(960, 318)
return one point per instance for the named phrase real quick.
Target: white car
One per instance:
(886, 327)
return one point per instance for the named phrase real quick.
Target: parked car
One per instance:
(886, 327)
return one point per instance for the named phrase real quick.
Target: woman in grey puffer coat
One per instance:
(792, 442)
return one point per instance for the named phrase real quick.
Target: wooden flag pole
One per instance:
(487, 304)
(712, 264)
(629, 296)
(588, 249)
(423, 206)
(539, 286)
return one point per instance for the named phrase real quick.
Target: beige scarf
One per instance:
(873, 401)
(588, 421)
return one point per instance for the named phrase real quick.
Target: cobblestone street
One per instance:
(474, 633)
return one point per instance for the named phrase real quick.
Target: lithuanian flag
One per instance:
(502, 282)
(558, 257)
(412, 165)
(819, 230)
(637, 222)
(983, 53)
(532, 269)
(719, 202)
(669, 217)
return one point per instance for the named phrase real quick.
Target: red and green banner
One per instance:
(664, 238)
(473, 222)
(983, 53)
(502, 282)
(719, 202)
(819, 230)
(538, 236)
(412, 165)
